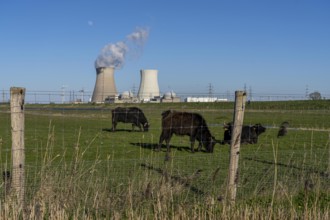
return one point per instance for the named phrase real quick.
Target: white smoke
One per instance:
(113, 55)
(139, 36)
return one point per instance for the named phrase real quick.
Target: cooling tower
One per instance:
(148, 84)
(105, 85)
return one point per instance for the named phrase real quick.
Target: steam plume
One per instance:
(113, 55)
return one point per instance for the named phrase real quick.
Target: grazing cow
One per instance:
(186, 123)
(283, 129)
(132, 115)
(249, 134)
(166, 113)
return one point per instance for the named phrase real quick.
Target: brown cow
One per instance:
(186, 123)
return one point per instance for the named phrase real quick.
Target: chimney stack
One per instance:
(105, 85)
(149, 84)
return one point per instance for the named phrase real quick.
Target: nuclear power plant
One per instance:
(105, 87)
(148, 85)
(112, 57)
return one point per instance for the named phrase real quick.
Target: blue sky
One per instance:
(271, 46)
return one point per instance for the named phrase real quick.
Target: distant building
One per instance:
(170, 97)
(126, 97)
(105, 88)
(204, 99)
(149, 88)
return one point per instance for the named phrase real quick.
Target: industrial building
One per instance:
(204, 99)
(170, 97)
(149, 88)
(105, 88)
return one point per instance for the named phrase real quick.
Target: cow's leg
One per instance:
(168, 147)
(199, 146)
(161, 140)
(114, 124)
(139, 125)
(167, 156)
(192, 144)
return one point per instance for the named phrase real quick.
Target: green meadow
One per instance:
(76, 167)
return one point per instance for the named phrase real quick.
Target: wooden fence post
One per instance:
(17, 96)
(240, 98)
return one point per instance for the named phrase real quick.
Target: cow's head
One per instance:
(209, 145)
(227, 133)
(146, 126)
(227, 126)
(259, 129)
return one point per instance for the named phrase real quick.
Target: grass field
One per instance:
(75, 166)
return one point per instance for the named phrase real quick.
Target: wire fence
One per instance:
(71, 149)
(82, 96)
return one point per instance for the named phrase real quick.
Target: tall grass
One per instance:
(75, 170)
(82, 189)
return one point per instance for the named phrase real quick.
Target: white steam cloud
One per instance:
(113, 55)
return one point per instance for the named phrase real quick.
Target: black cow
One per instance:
(283, 129)
(186, 123)
(132, 115)
(249, 134)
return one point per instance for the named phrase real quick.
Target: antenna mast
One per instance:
(210, 90)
